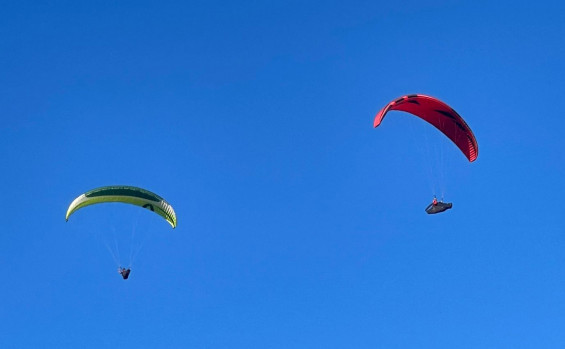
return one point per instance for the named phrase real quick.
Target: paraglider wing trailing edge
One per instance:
(128, 195)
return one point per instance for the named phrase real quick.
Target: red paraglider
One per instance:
(441, 116)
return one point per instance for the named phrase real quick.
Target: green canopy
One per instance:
(128, 195)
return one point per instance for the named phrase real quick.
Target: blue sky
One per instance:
(300, 226)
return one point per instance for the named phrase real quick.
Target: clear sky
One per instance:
(299, 225)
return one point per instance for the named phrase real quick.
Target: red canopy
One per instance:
(439, 114)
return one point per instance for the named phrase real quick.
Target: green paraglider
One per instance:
(128, 195)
